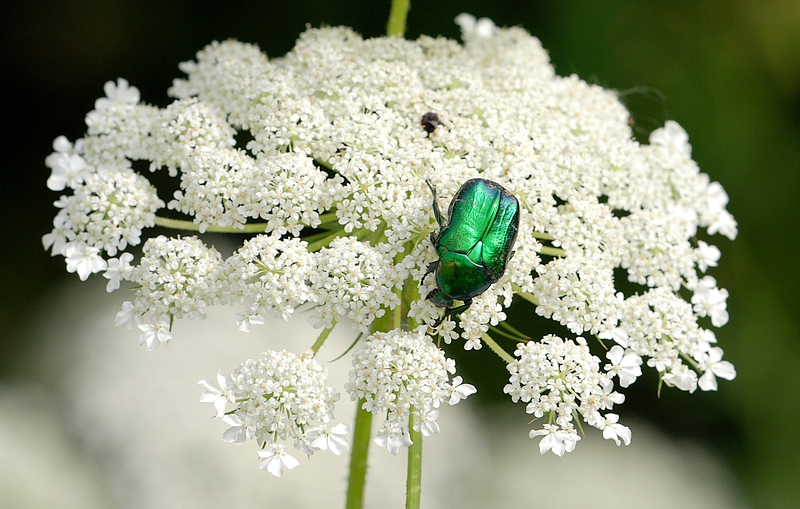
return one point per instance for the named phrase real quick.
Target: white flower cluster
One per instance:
(175, 278)
(273, 274)
(339, 155)
(278, 397)
(561, 379)
(399, 373)
(355, 280)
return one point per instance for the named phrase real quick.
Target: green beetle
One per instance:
(474, 244)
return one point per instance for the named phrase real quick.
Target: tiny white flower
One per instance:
(119, 92)
(428, 426)
(673, 137)
(713, 367)
(626, 365)
(118, 269)
(275, 459)
(83, 259)
(683, 378)
(708, 300)
(245, 321)
(336, 439)
(615, 431)
(126, 317)
(555, 439)
(393, 437)
(69, 170)
(483, 28)
(153, 334)
(236, 434)
(459, 391)
(218, 395)
(618, 335)
(707, 255)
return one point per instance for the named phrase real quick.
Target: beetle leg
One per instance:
(431, 268)
(458, 309)
(451, 311)
(436, 212)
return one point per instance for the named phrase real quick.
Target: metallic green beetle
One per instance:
(474, 244)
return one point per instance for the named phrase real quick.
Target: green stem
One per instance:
(552, 251)
(322, 337)
(525, 295)
(358, 459)
(362, 429)
(489, 340)
(414, 477)
(319, 244)
(397, 18)
(181, 224)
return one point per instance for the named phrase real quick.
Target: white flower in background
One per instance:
(155, 333)
(625, 365)
(711, 301)
(672, 137)
(471, 27)
(176, 278)
(276, 398)
(83, 259)
(335, 438)
(398, 373)
(714, 367)
(275, 460)
(556, 439)
(332, 187)
(118, 269)
(707, 255)
(560, 379)
(273, 275)
(121, 92)
(219, 396)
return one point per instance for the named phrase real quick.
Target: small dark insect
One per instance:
(430, 121)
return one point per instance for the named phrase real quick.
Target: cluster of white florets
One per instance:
(400, 374)
(336, 145)
(559, 380)
(276, 398)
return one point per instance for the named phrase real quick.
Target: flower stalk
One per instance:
(414, 474)
(357, 478)
(396, 27)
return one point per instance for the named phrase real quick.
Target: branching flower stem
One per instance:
(182, 224)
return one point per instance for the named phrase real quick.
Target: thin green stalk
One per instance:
(397, 18)
(321, 339)
(489, 340)
(414, 477)
(552, 251)
(525, 295)
(327, 239)
(181, 224)
(362, 428)
(358, 459)
(543, 236)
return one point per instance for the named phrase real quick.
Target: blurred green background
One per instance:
(727, 71)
